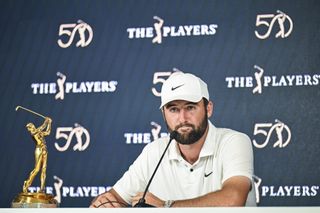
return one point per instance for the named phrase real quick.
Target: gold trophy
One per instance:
(37, 199)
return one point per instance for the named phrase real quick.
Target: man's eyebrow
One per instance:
(187, 103)
(170, 105)
(191, 103)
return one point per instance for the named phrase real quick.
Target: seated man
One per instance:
(204, 165)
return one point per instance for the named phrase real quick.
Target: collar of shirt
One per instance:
(206, 150)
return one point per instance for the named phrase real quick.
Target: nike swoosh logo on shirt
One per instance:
(174, 88)
(207, 175)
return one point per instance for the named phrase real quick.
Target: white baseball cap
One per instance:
(183, 86)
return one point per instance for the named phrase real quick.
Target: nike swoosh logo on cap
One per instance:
(174, 88)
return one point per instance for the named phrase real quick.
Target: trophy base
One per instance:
(34, 200)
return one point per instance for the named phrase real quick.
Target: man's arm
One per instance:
(109, 199)
(234, 192)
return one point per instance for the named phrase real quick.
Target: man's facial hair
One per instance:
(194, 135)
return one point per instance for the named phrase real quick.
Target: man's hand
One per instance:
(108, 200)
(150, 199)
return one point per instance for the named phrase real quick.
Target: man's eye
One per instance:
(173, 109)
(190, 108)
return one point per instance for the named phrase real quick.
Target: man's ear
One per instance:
(163, 115)
(210, 109)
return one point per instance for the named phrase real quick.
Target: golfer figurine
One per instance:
(38, 199)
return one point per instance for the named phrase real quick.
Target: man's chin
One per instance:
(183, 138)
(184, 134)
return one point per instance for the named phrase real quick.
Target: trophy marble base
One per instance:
(34, 200)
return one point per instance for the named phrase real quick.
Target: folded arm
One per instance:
(109, 199)
(234, 192)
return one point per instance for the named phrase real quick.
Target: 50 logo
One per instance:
(71, 29)
(267, 129)
(269, 20)
(68, 133)
(160, 78)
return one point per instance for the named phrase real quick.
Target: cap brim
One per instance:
(194, 99)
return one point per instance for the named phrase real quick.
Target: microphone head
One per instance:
(173, 135)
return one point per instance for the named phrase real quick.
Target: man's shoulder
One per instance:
(227, 134)
(230, 141)
(228, 131)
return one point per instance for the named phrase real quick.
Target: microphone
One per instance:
(142, 201)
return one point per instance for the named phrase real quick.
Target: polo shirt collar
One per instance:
(206, 150)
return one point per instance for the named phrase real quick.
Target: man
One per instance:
(204, 166)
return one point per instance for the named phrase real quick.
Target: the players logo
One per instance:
(257, 182)
(258, 76)
(260, 80)
(63, 87)
(145, 137)
(159, 31)
(57, 187)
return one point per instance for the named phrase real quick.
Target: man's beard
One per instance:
(194, 135)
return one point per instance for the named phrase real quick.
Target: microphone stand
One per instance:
(142, 201)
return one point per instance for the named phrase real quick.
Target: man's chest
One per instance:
(180, 180)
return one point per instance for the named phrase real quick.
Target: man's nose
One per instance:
(183, 116)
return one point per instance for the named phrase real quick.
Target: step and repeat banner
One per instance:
(96, 68)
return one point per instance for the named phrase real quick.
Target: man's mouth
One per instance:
(184, 129)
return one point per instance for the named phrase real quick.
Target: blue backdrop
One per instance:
(96, 68)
